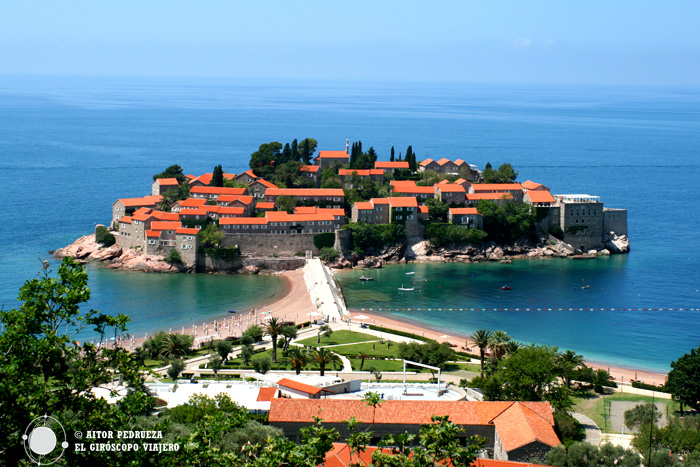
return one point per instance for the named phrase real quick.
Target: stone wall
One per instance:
(615, 220)
(265, 244)
(343, 240)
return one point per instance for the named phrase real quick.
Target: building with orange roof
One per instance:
(451, 193)
(390, 166)
(313, 173)
(474, 198)
(412, 190)
(529, 185)
(205, 179)
(246, 177)
(257, 188)
(162, 185)
(261, 206)
(326, 158)
(539, 198)
(324, 197)
(447, 166)
(193, 214)
(396, 209)
(126, 206)
(228, 211)
(188, 203)
(514, 189)
(466, 217)
(500, 463)
(246, 202)
(348, 176)
(514, 431)
(213, 192)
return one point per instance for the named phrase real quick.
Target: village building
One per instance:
(246, 178)
(347, 176)
(410, 189)
(205, 179)
(390, 166)
(466, 217)
(385, 210)
(246, 202)
(126, 206)
(213, 192)
(326, 158)
(262, 206)
(189, 203)
(539, 198)
(498, 197)
(514, 189)
(312, 172)
(529, 185)
(582, 220)
(322, 197)
(451, 194)
(516, 431)
(162, 185)
(257, 188)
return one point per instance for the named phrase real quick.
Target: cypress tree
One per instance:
(305, 152)
(353, 155)
(295, 150)
(412, 162)
(286, 154)
(217, 178)
(392, 154)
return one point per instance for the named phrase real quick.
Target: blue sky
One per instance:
(560, 42)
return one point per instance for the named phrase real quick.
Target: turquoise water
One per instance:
(69, 147)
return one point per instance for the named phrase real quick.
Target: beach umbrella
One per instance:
(314, 313)
(361, 317)
(444, 336)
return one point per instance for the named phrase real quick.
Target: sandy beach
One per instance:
(296, 305)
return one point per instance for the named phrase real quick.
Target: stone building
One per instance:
(326, 158)
(466, 217)
(162, 185)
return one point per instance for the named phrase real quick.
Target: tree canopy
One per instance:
(684, 379)
(504, 174)
(174, 171)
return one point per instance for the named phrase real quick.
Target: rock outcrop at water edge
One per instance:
(616, 244)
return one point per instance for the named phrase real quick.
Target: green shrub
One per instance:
(369, 237)
(329, 254)
(650, 387)
(568, 428)
(448, 234)
(224, 254)
(173, 257)
(103, 236)
(557, 232)
(324, 240)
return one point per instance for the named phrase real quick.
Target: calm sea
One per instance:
(70, 146)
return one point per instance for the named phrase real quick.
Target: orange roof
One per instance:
(310, 168)
(497, 463)
(186, 231)
(391, 165)
(217, 190)
(497, 187)
(165, 216)
(360, 172)
(266, 394)
(402, 183)
(305, 192)
(443, 182)
(478, 196)
(341, 455)
(167, 181)
(332, 211)
(204, 178)
(540, 196)
(142, 211)
(284, 216)
(153, 233)
(165, 225)
(519, 425)
(191, 202)
(423, 209)
(249, 173)
(463, 211)
(305, 210)
(398, 412)
(143, 201)
(141, 216)
(237, 210)
(426, 162)
(459, 162)
(380, 200)
(364, 205)
(443, 161)
(414, 189)
(451, 188)
(403, 202)
(265, 205)
(333, 155)
(264, 182)
(242, 221)
(210, 208)
(125, 220)
(193, 212)
(245, 199)
(460, 181)
(297, 386)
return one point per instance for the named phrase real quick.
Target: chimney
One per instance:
(347, 146)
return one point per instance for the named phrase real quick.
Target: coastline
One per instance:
(619, 373)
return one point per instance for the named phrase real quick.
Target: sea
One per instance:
(71, 146)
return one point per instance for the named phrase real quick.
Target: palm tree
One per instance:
(272, 328)
(362, 357)
(298, 357)
(498, 344)
(324, 357)
(569, 362)
(176, 345)
(481, 340)
(512, 347)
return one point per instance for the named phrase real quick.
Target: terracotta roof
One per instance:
(460, 181)
(403, 202)
(211, 208)
(191, 202)
(402, 183)
(520, 425)
(165, 225)
(540, 196)
(141, 216)
(360, 172)
(459, 162)
(242, 220)
(249, 173)
(380, 200)
(310, 168)
(305, 192)
(186, 231)
(332, 211)
(423, 209)
(245, 199)
(297, 386)
(333, 155)
(443, 161)
(284, 216)
(364, 205)
(451, 188)
(167, 181)
(165, 216)
(497, 187)
(204, 179)
(266, 394)
(194, 212)
(143, 201)
(443, 182)
(153, 233)
(478, 196)
(305, 210)
(341, 455)
(414, 189)
(265, 205)
(464, 211)
(391, 165)
(143, 210)
(425, 162)
(530, 185)
(265, 183)
(236, 210)
(497, 463)
(125, 220)
(217, 190)
(397, 412)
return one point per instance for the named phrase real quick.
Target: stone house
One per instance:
(126, 206)
(322, 197)
(347, 176)
(246, 202)
(213, 192)
(467, 217)
(514, 189)
(312, 172)
(162, 185)
(443, 166)
(246, 177)
(386, 210)
(451, 193)
(205, 179)
(187, 244)
(257, 188)
(474, 198)
(410, 189)
(191, 203)
(326, 158)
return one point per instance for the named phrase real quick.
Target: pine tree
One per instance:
(305, 152)
(391, 158)
(286, 154)
(295, 151)
(217, 178)
(353, 156)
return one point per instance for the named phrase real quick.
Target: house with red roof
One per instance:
(257, 188)
(126, 206)
(246, 177)
(246, 202)
(410, 189)
(213, 192)
(324, 197)
(326, 158)
(516, 431)
(529, 185)
(390, 166)
(188, 203)
(451, 193)
(466, 217)
(386, 210)
(162, 185)
(312, 172)
(447, 166)
(348, 177)
(539, 198)
(514, 189)
(474, 198)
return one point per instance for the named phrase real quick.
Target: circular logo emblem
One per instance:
(44, 440)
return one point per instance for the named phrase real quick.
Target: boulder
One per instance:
(106, 254)
(250, 269)
(616, 244)
(418, 249)
(79, 249)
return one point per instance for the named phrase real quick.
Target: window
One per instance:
(336, 199)
(398, 217)
(409, 217)
(379, 217)
(255, 226)
(151, 242)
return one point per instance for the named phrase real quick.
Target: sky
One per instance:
(620, 42)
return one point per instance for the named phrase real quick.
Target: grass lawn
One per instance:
(340, 337)
(282, 362)
(373, 349)
(380, 365)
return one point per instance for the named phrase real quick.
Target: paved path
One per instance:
(593, 433)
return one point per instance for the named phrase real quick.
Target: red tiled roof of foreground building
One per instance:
(194, 212)
(153, 233)
(451, 188)
(497, 187)
(217, 190)
(242, 221)
(360, 172)
(413, 189)
(364, 205)
(539, 196)
(186, 231)
(519, 425)
(310, 168)
(403, 202)
(165, 216)
(491, 196)
(333, 155)
(165, 225)
(341, 455)
(266, 394)
(424, 209)
(530, 185)
(425, 162)
(125, 220)
(297, 386)
(338, 192)
(464, 211)
(391, 165)
(167, 181)
(230, 210)
(265, 183)
(192, 202)
(265, 205)
(149, 200)
(245, 199)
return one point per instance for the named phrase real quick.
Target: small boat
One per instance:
(405, 289)
(586, 287)
(506, 287)
(231, 311)
(409, 273)
(363, 278)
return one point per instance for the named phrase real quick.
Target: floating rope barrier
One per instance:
(530, 309)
